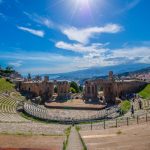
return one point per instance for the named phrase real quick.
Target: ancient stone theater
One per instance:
(111, 88)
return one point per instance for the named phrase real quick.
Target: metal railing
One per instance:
(118, 122)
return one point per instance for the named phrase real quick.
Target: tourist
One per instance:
(132, 110)
(133, 100)
(140, 103)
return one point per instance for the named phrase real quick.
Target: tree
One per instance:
(72, 90)
(74, 86)
(8, 70)
(81, 88)
(55, 89)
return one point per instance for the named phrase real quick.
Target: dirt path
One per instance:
(31, 142)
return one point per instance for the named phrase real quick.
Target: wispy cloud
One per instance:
(39, 33)
(64, 63)
(40, 19)
(80, 48)
(139, 54)
(16, 63)
(132, 4)
(103, 56)
(129, 5)
(83, 35)
(34, 56)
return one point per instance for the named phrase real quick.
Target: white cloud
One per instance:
(80, 48)
(39, 19)
(36, 62)
(16, 63)
(133, 54)
(99, 55)
(34, 56)
(39, 33)
(83, 35)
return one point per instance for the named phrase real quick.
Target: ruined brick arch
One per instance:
(100, 85)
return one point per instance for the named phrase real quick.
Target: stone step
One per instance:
(74, 142)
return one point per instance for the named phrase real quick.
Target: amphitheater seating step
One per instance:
(74, 142)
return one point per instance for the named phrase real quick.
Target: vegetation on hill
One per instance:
(7, 71)
(125, 106)
(145, 93)
(5, 85)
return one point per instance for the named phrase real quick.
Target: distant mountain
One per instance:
(97, 72)
(145, 70)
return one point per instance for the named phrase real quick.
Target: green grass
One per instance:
(5, 85)
(67, 133)
(83, 143)
(119, 132)
(125, 106)
(145, 93)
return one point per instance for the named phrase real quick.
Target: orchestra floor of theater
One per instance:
(76, 104)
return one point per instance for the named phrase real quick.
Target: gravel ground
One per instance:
(135, 137)
(32, 128)
(19, 142)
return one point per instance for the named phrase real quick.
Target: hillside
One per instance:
(145, 93)
(5, 85)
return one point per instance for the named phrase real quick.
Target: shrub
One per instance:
(125, 106)
(72, 90)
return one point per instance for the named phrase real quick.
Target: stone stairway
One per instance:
(74, 142)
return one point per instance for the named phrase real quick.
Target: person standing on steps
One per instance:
(132, 110)
(140, 103)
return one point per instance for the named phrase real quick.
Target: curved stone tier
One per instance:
(67, 115)
(8, 111)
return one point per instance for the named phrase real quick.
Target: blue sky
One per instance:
(54, 36)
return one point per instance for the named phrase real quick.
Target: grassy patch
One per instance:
(67, 133)
(6, 85)
(119, 132)
(125, 106)
(145, 93)
(78, 128)
(84, 146)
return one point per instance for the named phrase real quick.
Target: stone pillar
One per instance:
(111, 78)
(90, 90)
(63, 90)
